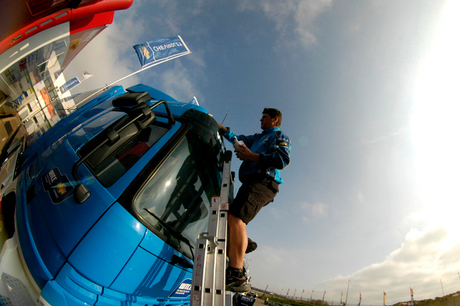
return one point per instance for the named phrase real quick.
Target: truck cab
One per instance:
(110, 201)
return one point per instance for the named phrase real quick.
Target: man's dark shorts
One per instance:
(252, 196)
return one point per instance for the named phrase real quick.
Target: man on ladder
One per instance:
(263, 156)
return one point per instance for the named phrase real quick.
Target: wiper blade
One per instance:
(171, 230)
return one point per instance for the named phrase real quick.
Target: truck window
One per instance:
(179, 194)
(111, 170)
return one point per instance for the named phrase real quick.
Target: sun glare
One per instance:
(436, 122)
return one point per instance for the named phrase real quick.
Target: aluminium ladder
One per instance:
(208, 281)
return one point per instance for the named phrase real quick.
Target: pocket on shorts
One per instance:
(273, 186)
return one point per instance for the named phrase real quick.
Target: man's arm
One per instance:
(222, 129)
(279, 157)
(244, 153)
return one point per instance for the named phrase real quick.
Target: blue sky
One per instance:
(369, 100)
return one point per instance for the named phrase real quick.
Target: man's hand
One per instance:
(245, 154)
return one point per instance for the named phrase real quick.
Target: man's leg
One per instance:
(237, 241)
(237, 244)
(250, 199)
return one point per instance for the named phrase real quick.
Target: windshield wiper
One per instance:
(173, 232)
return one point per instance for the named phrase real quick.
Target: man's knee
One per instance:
(235, 221)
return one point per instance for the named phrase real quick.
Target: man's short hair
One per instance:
(273, 112)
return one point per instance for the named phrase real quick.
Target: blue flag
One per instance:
(161, 50)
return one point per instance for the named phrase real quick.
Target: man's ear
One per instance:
(276, 120)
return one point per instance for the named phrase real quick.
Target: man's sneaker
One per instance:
(235, 281)
(252, 246)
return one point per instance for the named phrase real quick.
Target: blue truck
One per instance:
(109, 202)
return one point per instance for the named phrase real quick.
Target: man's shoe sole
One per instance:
(252, 246)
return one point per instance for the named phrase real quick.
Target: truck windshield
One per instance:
(180, 193)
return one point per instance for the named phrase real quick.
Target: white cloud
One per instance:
(303, 13)
(421, 262)
(361, 197)
(178, 82)
(277, 212)
(315, 211)
(280, 267)
(372, 135)
(306, 13)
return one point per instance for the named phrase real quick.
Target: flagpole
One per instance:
(127, 76)
(412, 296)
(148, 67)
(443, 296)
(158, 62)
(140, 70)
(348, 287)
(182, 41)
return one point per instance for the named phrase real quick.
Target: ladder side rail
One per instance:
(208, 281)
(203, 280)
(210, 290)
(221, 256)
(197, 295)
